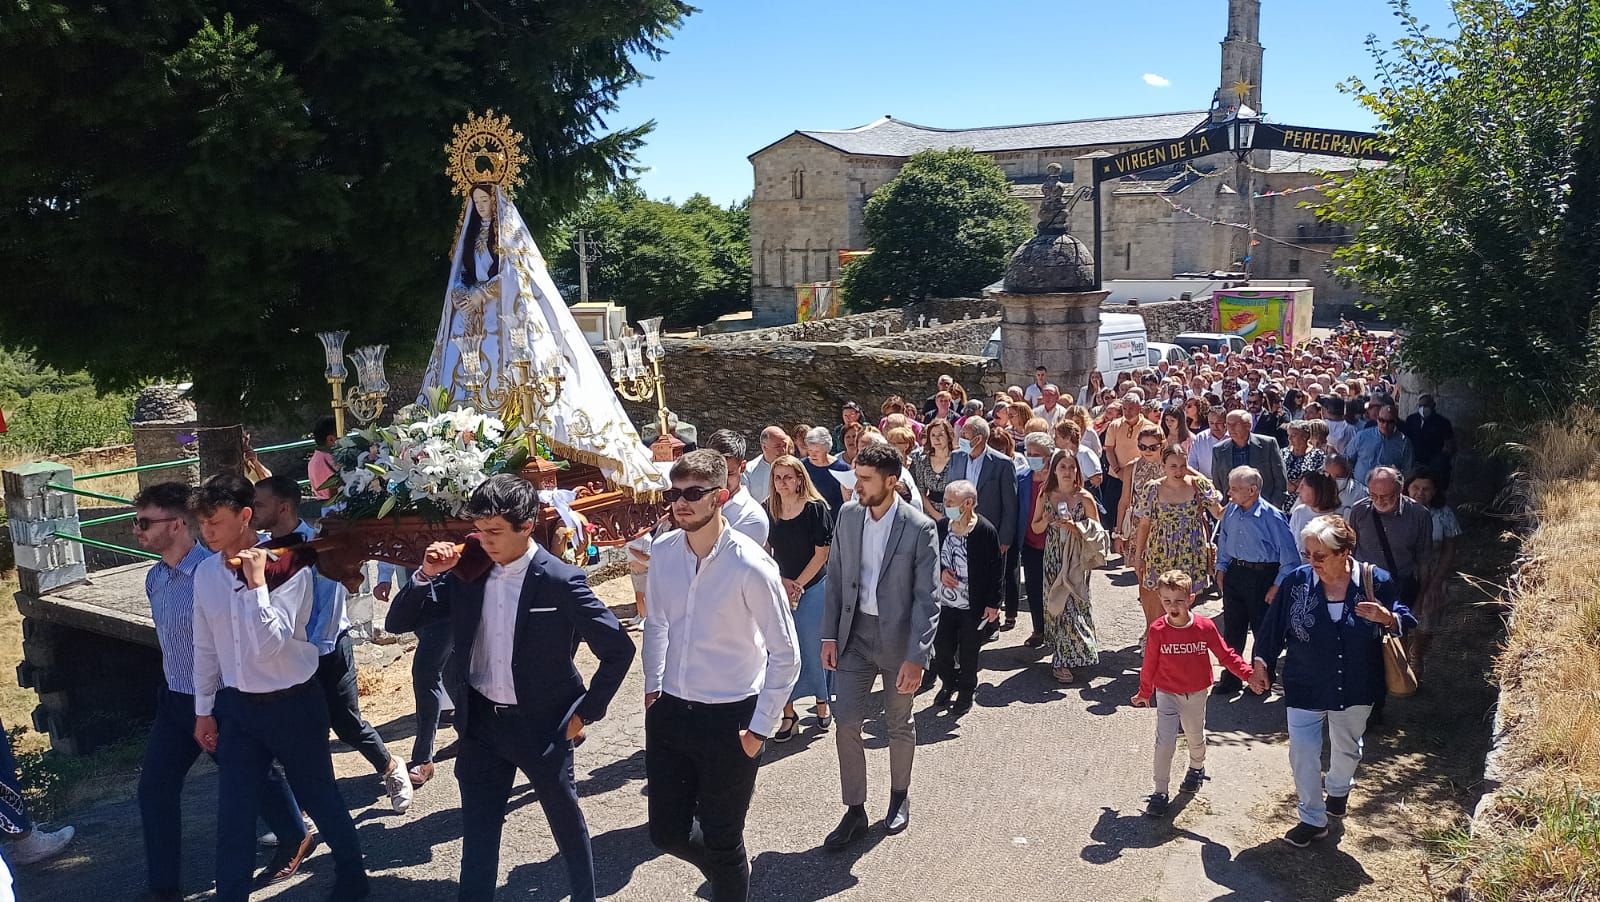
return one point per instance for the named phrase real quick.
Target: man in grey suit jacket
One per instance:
(879, 616)
(1244, 449)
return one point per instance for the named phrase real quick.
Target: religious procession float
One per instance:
(512, 386)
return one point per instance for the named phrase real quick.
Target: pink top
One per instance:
(1179, 660)
(319, 471)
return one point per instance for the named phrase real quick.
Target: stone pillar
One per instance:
(1057, 330)
(36, 513)
(161, 414)
(1049, 307)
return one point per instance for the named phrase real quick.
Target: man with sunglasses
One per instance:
(161, 526)
(720, 659)
(1385, 446)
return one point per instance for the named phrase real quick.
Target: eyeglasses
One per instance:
(1144, 447)
(144, 523)
(692, 494)
(1318, 557)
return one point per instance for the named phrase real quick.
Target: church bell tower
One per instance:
(1241, 60)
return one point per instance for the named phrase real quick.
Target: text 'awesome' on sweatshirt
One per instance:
(1178, 660)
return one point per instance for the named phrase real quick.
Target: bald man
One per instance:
(758, 475)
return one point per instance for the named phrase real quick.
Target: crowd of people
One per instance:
(1282, 479)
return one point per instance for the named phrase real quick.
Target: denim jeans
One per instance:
(1305, 756)
(434, 645)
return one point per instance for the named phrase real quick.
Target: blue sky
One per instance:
(744, 73)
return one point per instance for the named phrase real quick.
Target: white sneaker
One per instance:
(398, 783)
(268, 839)
(39, 845)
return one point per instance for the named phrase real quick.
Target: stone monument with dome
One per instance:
(1049, 305)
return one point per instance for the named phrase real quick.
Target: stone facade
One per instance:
(811, 188)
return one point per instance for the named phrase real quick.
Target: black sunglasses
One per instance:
(144, 523)
(692, 494)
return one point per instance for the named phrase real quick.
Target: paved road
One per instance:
(1034, 795)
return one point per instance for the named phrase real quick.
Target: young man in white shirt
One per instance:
(720, 658)
(743, 511)
(518, 612)
(256, 697)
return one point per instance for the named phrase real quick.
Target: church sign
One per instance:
(1290, 138)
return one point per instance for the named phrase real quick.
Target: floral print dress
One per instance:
(1180, 533)
(1069, 636)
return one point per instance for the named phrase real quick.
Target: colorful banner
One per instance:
(1255, 315)
(816, 300)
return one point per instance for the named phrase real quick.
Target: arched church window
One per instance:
(797, 182)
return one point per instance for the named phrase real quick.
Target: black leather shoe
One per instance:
(352, 890)
(851, 828)
(961, 705)
(942, 697)
(899, 816)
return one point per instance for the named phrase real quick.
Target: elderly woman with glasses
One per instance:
(1329, 621)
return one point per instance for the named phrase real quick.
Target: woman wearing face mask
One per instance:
(1350, 491)
(1030, 484)
(968, 592)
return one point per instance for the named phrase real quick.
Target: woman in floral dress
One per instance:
(1062, 515)
(1135, 475)
(1174, 533)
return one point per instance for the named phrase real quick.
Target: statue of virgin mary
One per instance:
(502, 306)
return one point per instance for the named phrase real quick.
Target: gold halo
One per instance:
(485, 150)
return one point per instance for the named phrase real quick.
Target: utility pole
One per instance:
(588, 252)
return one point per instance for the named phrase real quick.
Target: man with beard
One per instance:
(720, 658)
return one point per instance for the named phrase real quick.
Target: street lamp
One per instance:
(1241, 127)
(637, 382)
(365, 402)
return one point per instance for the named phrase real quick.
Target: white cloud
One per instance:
(1155, 81)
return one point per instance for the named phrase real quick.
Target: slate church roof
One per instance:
(890, 137)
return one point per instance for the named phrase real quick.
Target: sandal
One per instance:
(1063, 680)
(1034, 640)
(420, 773)
(824, 721)
(786, 728)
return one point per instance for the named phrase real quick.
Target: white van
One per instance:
(1122, 346)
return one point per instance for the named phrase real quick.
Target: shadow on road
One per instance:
(810, 875)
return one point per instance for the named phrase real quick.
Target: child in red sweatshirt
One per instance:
(1177, 671)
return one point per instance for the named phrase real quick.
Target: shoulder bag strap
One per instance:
(1383, 539)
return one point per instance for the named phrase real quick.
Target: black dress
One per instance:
(794, 542)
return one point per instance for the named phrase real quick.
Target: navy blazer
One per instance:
(557, 609)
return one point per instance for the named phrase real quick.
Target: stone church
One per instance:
(811, 190)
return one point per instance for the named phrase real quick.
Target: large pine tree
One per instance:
(194, 187)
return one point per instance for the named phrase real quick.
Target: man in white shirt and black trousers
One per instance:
(720, 658)
(879, 616)
(517, 613)
(256, 697)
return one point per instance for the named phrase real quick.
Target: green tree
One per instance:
(943, 227)
(1482, 238)
(193, 188)
(688, 263)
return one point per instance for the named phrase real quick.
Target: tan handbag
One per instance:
(1398, 676)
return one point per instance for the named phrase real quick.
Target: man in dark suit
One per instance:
(996, 479)
(517, 613)
(1246, 450)
(879, 616)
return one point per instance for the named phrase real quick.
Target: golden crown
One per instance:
(485, 150)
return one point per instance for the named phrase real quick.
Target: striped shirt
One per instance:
(329, 618)
(171, 594)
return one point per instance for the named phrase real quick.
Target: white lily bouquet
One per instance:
(428, 462)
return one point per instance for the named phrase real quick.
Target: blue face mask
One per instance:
(1036, 464)
(952, 513)
(965, 445)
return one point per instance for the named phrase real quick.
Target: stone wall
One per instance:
(1165, 319)
(960, 337)
(855, 325)
(749, 386)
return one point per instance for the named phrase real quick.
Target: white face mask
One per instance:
(1425, 410)
(1036, 464)
(965, 445)
(953, 513)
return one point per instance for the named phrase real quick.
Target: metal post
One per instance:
(1097, 248)
(583, 265)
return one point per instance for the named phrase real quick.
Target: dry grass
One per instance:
(1540, 838)
(92, 460)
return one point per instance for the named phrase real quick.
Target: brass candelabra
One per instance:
(365, 401)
